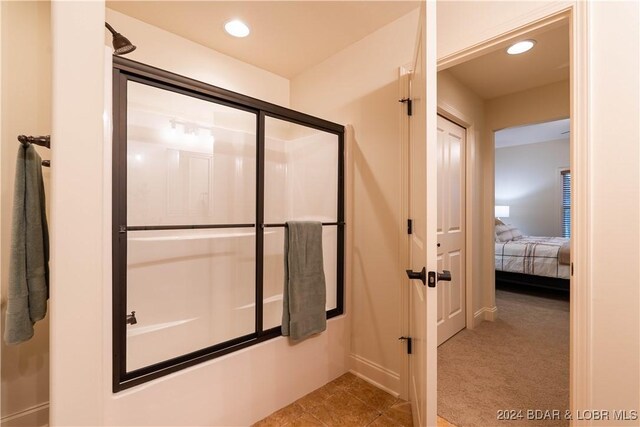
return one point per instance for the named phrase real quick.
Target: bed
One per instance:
(531, 260)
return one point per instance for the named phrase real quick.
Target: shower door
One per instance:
(204, 180)
(191, 214)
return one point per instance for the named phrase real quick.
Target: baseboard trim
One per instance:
(375, 374)
(485, 313)
(37, 415)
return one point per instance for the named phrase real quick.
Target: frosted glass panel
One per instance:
(189, 161)
(190, 289)
(301, 173)
(274, 272)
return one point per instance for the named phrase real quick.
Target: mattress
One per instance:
(538, 256)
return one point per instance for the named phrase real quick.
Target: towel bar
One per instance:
(43, 141)
(284, 225)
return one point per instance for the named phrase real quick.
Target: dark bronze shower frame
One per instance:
(125, 70)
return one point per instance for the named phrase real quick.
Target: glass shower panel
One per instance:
(274, 272)
(190, 289)
(301, 173)
(273, 277)
(189, 161)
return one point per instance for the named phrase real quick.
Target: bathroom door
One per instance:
(423, 211)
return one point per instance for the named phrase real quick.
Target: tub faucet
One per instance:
(131, 318)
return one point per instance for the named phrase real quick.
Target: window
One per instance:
(204, 180)
(566, 203)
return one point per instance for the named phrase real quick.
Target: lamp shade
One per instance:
(502, 212)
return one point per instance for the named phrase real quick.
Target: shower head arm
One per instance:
(110, 28)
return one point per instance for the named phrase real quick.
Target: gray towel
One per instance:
(305, 292)
(29, 259)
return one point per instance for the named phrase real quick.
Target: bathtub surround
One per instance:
(211, 175)
(29, 263)
(305, 293)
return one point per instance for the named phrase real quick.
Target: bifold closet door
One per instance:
(191, 216)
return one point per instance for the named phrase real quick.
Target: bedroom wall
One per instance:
(461, 104)
(359, 86)
(262, 378)
(527, 179)
(26, 109)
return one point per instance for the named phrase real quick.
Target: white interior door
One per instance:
(423, 211)
(451, 232)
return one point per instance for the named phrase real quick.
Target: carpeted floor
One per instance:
(520, 363)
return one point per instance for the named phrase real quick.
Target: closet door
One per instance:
(190, 224)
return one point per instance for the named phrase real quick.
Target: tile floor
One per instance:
(345, 401)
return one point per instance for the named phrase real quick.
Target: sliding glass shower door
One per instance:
(191, 173)
(204, 180)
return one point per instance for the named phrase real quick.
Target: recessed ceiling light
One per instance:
(521, 47)
(237, 28)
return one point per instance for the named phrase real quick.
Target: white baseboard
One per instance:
(37, 415)
(485, 313)
(375, 374)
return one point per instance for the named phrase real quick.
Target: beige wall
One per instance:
(165, 50)
(359, 86)
(527, 179)
(615, 182)
(537, 105)
(460, 104)
(26, 109)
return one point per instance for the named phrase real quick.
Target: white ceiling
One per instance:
(531, 134)
(287, 37)
(497, 73)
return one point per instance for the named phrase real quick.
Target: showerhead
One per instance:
(121, 44)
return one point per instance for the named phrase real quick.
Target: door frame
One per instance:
(580, 282)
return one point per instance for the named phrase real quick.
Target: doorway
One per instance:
(492, 91)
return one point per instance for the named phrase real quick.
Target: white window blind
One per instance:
(566, 203)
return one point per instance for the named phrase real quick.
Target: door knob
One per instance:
(420, 275)
(445, 276)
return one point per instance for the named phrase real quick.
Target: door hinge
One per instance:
(409, 226)
(409, 103)
(409, 341)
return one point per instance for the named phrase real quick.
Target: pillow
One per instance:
(507, 232)
(499, 221)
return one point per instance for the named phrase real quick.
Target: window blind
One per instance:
(566, 203)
